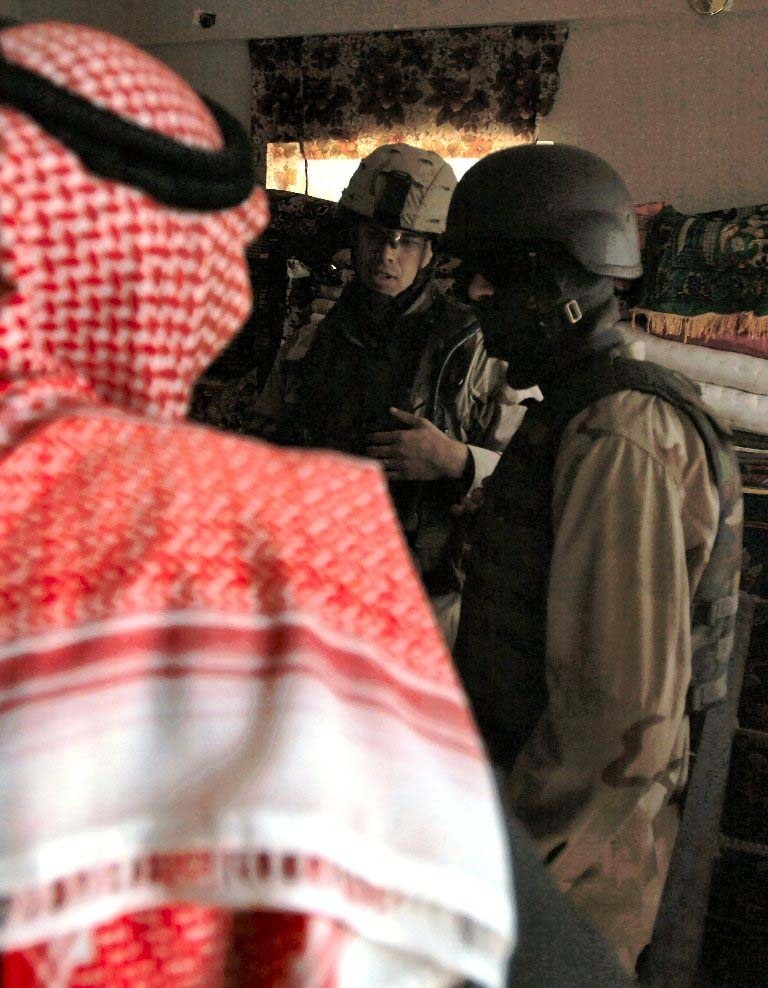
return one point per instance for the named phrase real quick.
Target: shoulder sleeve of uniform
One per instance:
(306, 336)
(646, 421)
(453, 313)
(495, 409)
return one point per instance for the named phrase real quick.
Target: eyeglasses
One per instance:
(380, 235)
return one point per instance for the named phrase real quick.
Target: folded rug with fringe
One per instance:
(708, 271)
(710, 366)
(717, 331)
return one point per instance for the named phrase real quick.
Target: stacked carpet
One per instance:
(703, 311)
(704, 306)
(734, 384)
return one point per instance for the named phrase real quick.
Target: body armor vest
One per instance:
(348, 380)
(500, 651)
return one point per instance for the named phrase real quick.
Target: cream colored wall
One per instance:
(220, 69)
(679, 108)
(162, 21)
(674, 100)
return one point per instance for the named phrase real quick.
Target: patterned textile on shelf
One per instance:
(628, 289)
(753, 461)
(676, 328)
(459, 91)
(706, 277)
(301, 226)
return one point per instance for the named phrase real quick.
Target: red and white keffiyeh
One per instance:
(233, 749)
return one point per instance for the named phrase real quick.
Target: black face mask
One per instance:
(521, 321)
(512, 331)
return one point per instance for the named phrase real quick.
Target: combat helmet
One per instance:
(403, 187)
(555, 193)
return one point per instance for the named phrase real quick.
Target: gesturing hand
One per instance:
(420, 452)
(470, 504)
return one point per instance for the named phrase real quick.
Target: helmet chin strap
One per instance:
(553, 300)
(556, 309)
(571, 304)
(572, 311)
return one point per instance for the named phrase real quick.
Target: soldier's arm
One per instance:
(495, 417)
(270, 411)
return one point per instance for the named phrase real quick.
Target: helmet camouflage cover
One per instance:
(402, 187)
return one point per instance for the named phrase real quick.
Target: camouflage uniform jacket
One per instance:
(316, 393)
(576, 649)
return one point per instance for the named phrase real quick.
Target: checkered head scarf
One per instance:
(125, 204)
(226, 715)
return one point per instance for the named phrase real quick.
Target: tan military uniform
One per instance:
(484, 411)
(455, 384)
(635, 513)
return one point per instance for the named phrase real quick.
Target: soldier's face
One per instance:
(388, 261)
(497, 329)
(512, 331)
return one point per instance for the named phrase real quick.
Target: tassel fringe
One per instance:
(709, 325)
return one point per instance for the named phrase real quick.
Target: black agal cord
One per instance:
(112, 147)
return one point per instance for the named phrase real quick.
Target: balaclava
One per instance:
(540, 294)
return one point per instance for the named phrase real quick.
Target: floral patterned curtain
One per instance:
(461, 92)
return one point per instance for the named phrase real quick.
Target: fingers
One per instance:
(407, 417)
(380, 452)
(322, 305)
(383, 438)
(397, 436)
(476, 497)
(328, 293)
(393, 468)
(469, 504)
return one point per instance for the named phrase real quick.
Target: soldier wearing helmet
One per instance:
(397, 371)
(603, 575)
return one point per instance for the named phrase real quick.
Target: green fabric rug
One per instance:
(708, 263)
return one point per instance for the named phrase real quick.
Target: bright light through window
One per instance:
(327, 178)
